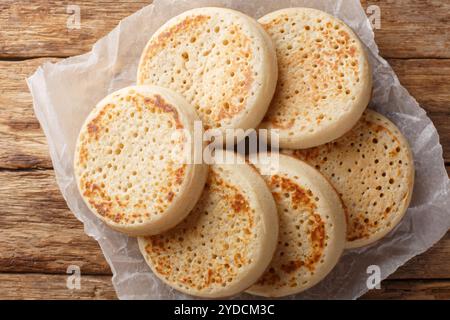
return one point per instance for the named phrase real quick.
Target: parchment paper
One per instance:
(65, 92)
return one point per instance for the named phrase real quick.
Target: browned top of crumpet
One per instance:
(312, 229)
(123, 157)
(224, 244)
(211, 246)
(372, 169)
(216, 58)
(324, 80)
(302, 228)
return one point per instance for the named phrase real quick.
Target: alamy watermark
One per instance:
(74, 19)
(207, 147)
(73, 281)
(374, 16)
(374, 278)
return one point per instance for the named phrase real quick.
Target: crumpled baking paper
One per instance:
(65, 92)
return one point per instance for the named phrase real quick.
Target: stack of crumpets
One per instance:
(272, 227)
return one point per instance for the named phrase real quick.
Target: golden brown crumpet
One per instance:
(324, 79)
(126, 163)
(373, 170)
(312, 229)
(225, 243)
(220, 60)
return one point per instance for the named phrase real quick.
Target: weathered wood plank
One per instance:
(39, 28)
(413, 28)
(411, 290)
(22, 142)
(409, 28)
(427, 80)
(40, 233)
(23, 145)
(43, 286)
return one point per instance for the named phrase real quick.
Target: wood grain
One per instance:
(427, 80)
(39, 28)
(38, 232)
(413, 28)
(411, 290)
(44, 286)
(23, 144)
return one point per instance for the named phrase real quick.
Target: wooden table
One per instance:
(40, 237)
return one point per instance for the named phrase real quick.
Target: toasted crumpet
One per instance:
(372, 169)
(324, 79)
(127, 161)
(220, 60)
(225, 243)
(312, 229)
